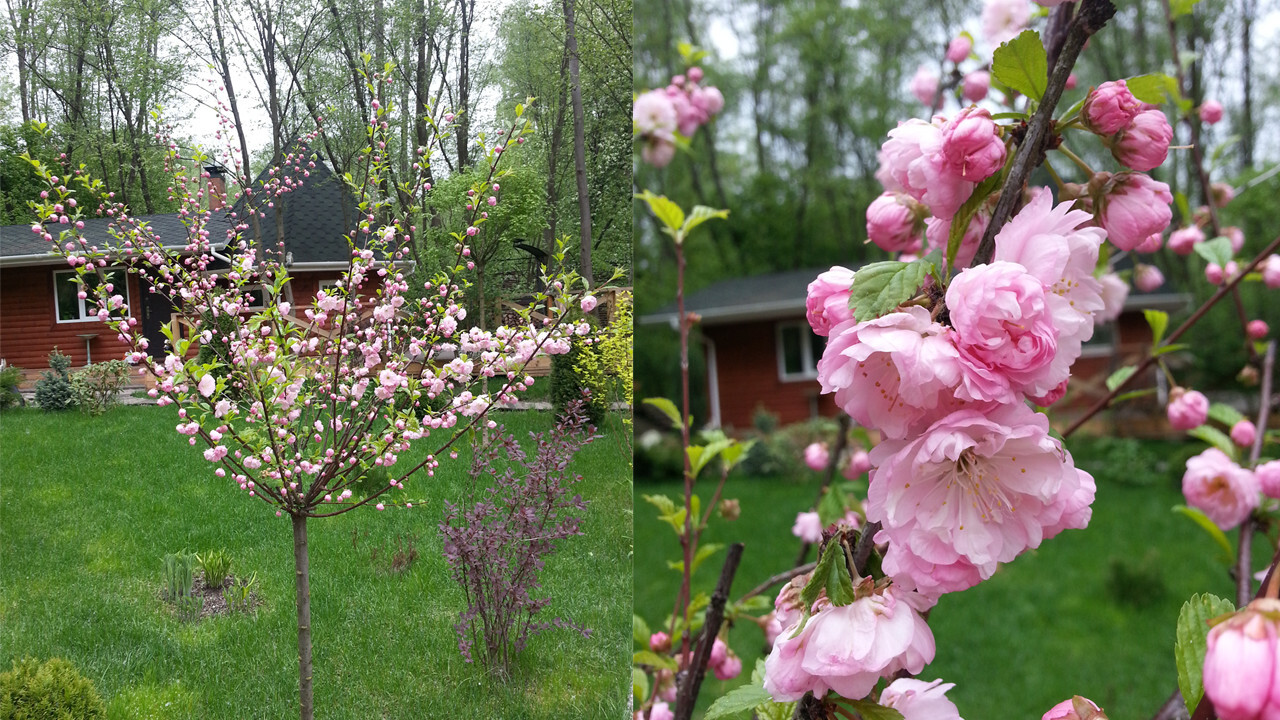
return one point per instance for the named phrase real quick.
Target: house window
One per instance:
(66, 294)
(258, 295)
(799, 350)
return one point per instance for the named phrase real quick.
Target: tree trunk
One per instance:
(466, 13)
(1246, 114)
(553, 158)
(579, 151)
(302, 581)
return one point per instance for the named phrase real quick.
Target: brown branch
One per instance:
(1030, 154)
(862, 551)
(692, 676)
(785, 576)
(1222, 292)
(1244, 553)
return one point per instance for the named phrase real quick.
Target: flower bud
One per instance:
(1244, 433)
(1241, 661)
(959, 48)
(924, 85)
(1271, 271)
(1184, 240)
(1221, 193)
(816, 456)
(1077, 708)
(730, 509)
(976, 85)
(1131, 207)
(1109, 108)
(1210, 112)
(659, 642)
(1148, 278)
(894, 222)
(1188, 409)
(1213, 272)
(1153, 243)
(971, 145)
(1268, 475)
(1236, 236)
(1144, 143)
(1257, 329)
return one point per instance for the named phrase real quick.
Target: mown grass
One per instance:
(1091, 612)
(88, 507)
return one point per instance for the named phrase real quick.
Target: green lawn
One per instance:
(89, 506)
(1091, 612)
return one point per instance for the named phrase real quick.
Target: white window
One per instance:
(799, 350)
(73, 309)
(258, 296)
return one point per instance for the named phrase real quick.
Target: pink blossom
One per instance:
(1184, 240)
(894, 222)
(827, 304)
(808, 527)
(1271, 271)
(959, 48)
(920, 700)
(708, 99)
(893, 372)
(1144, 144)
(976, 85)
(215, 453)
(588, 303)
(1148, 278)
(658, 152)
(1236, 236)
(1072, 80)
(1072, 710)
(719, 652)
(912, 162)
(1004, 332)
(1257, 329)
(1114, 292)
(816, 456)
(1132, 207)
(659, 642)
(654, 115)
(1220, 194)
(1268, 475)
(1210, 112)
(924, 85)
(1002, 20)
(1243, 433)
(976, 489)
(971, 145)
(729, 669)
(1188, 409)
(1242, 663)
(659, 711)
(1226, 492)
(1153, 243)
(207, 385)
(1109, 108)
(849, 648)
(859, 463)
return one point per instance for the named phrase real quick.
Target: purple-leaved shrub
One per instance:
(496, 541)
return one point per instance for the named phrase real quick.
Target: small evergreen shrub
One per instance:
(568, 386)
(97, 387)
(10, 378)
(53, 389)
(54, 690)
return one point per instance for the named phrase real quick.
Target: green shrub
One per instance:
(53, 389)
(54, 690)
(217, 350)
(97, 387)
(216, 565)
(10, 378)
(567, 384)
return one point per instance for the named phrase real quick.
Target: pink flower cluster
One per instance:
(1242, 663)
(967, 476)
(683, 105)
(1138, 134)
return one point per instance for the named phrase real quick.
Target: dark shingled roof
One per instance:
(760, 297)
(18, 240)
(314, 227)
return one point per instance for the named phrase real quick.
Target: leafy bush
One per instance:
(216, 565)
(607, 366)
(97, 387)
(54, 690)
(568, 385)
(10, 378)
(497, 540)
(53, 389)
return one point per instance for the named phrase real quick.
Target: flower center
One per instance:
(978, 480)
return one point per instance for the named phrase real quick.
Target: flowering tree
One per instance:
(954, 355)
(298, 405)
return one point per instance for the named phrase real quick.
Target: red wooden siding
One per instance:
(747, 365)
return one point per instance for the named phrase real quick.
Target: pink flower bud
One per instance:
(729, 669)
(694, 74)
(588, 303)
(708, 99)
(1271, 271)
(959, 48)
(719, 652)
(816, 456)
(894, 222)
(1214, 274)
(1223, 490)
(859, 463)
(1244, 433)
(1257, 329)
(827, 304)
(976, 85)
(1077, 708)
(1109, 108)
(971, 145)
(1221, 193)
(1148, 278)
(659, 711)
(924, 85)
(1188, 409)
(658, 153)
(1241, 661)
(808, 527)
(1072, 82)
(1210, 112)
(1144, 144)
(1184, 240)
(1268, 475)
(1236, 236)
(659, 642)
(1132, 207)
(1153, 243)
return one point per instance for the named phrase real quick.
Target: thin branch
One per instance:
(692, 677)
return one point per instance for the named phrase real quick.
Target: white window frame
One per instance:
(86, 315)
(808, 363)
(266, 295)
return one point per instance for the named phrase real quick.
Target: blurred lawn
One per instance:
(1091, 612)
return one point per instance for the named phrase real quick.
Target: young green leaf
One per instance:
(1153, 88)
(653, 659)
(1225, 414)
(1208, 526)
(668, 408)
(1191, 644)
(960, 223)
(1022, 64)
(737, 701)
(1217, 250)
(879, 288)
(1117, 378)
(640, 630)
(665, 210)
(699, 215)
(1216, 438)
(1159, 322)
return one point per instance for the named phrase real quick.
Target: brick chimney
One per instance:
(217, 187)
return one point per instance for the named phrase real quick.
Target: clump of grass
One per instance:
(216, 566)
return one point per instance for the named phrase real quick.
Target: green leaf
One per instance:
(699, 215)
(1178, 8)
(1184, 208)
(832, 506)
(1154, 88)
(639, 685)
(963, 216)
(665, 210)
(831, 574)
(1216, 438)
(1159, 322)
(1225, 414)
(1122, 397)
(1166, 349)
(737, 701)
(1208, 526)
(736, 453)
(868, 710)
(1189, 649)
(653, 659)
(703, 553)
(668, 408)
(1118, 377)
(640, 630)
(706, 454)
(1022, 65)
(1217, 250)
(879, 288)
